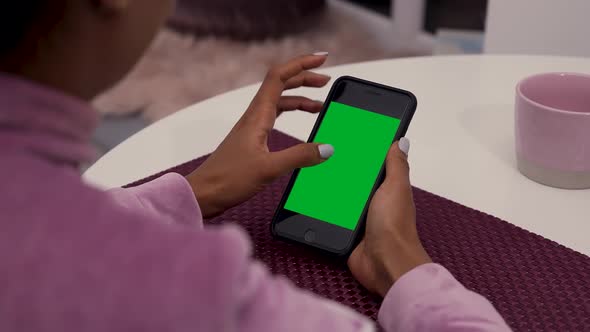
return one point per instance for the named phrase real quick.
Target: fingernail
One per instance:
(319, 101)
(321, 53)
(326, 150)
(404, 145)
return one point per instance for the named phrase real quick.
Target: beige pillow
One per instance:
(245, 19)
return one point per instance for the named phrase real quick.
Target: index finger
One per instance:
(275, 81)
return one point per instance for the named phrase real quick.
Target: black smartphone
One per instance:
(325, 206)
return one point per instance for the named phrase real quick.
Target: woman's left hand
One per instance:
(242, 164)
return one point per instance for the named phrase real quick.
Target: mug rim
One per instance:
(545, 107)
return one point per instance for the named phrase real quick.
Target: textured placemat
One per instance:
(536, 284)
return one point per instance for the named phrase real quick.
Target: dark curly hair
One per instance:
(15, 19)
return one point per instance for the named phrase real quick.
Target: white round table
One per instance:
(462, 138)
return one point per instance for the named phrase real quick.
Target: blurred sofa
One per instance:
(245, 19)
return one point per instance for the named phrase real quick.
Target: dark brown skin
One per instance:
(242, 165)
(391, 246)
(83, 47)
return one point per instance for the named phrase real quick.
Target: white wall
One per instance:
(551, 27)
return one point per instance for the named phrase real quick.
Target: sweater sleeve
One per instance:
(263, 302)
(426, 298)
(168, 199)
(429, 298)
(271, 303)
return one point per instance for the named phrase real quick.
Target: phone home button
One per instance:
(309, 235)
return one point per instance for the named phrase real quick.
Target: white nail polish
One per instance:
(321, 53)
(326, 150)
(404, 145)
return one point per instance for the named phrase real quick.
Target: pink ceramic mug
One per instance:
(553, 129)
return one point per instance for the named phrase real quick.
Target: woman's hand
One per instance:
(242, 165)
(391, 246)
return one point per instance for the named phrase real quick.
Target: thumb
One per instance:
(397, 168)
(302, 155)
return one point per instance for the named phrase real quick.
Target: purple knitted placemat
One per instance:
(536, 284)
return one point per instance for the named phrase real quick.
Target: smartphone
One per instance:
(325, 206)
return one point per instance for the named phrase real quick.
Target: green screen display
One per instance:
(337, 190)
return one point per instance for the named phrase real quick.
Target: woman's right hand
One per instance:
(391, 246)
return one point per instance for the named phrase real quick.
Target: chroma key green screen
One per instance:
(337, 190)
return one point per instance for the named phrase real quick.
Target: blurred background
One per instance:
(211, 47)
